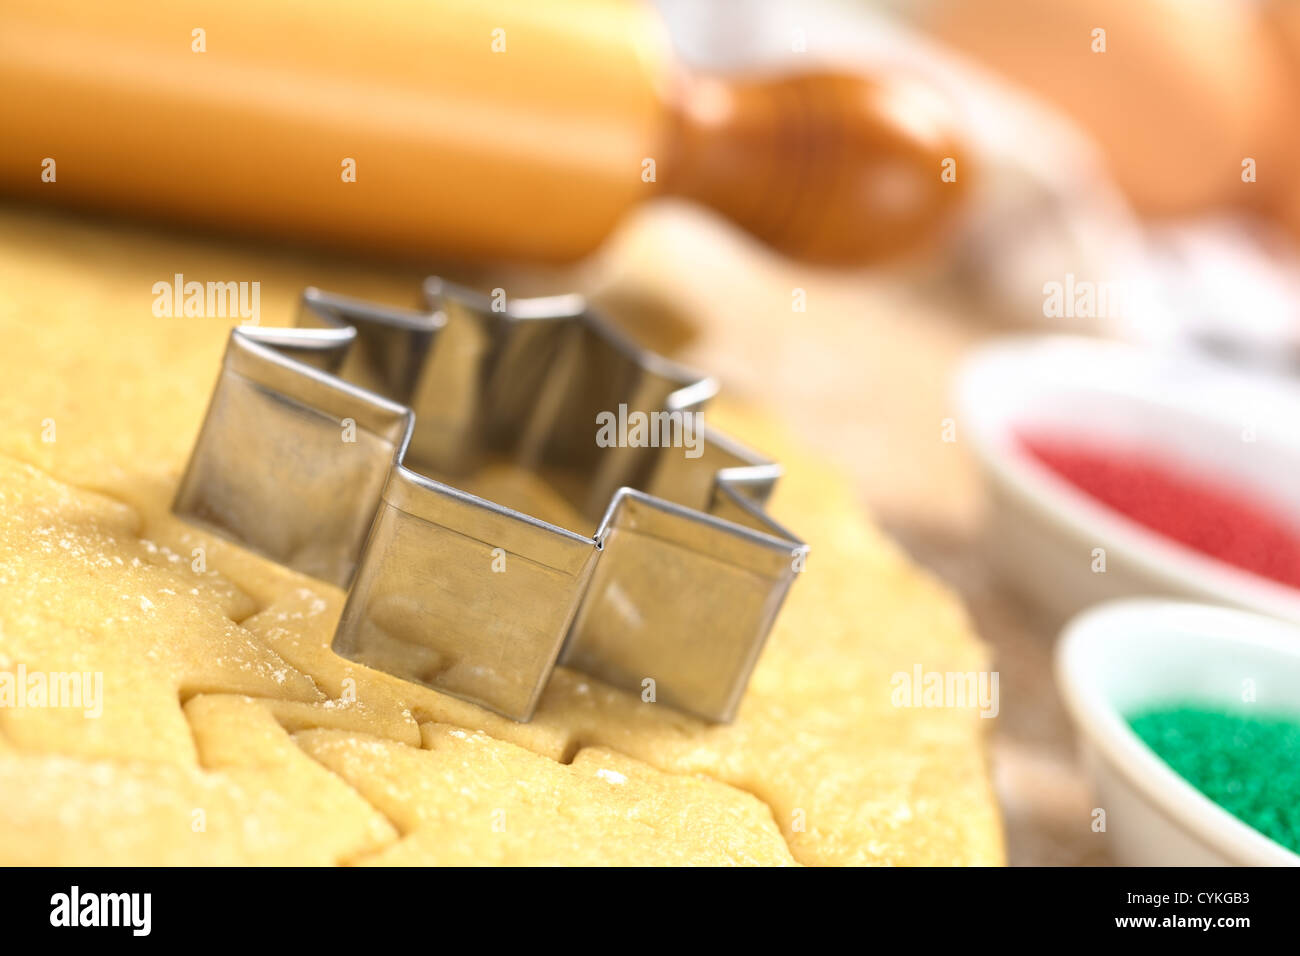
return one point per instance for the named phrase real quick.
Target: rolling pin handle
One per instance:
(832, 168)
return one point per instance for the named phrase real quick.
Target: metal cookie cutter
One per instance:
(309, 451)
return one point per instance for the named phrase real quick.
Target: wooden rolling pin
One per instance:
(462, 129)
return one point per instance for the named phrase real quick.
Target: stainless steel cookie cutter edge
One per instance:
(312, 453)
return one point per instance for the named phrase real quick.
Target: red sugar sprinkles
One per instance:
(1207, 514)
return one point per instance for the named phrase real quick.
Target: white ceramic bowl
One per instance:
(1042, 532)
(1127, 655)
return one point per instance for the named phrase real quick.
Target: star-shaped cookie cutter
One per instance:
(312, 453)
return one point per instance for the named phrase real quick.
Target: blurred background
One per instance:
(830, 204)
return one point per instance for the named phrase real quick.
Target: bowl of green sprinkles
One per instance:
(1188, 718)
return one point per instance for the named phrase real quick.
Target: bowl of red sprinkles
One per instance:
(1115, 471)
